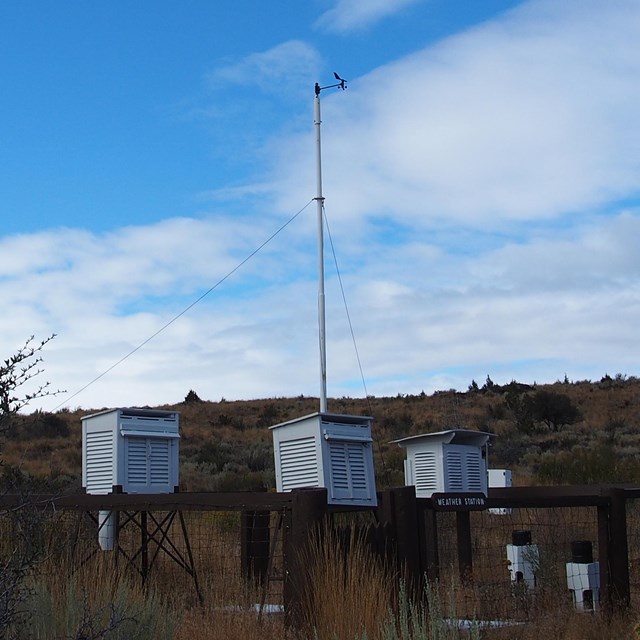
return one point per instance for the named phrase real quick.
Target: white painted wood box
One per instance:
(327, 450)
(130, 451)
(452, 461)
(500, 478)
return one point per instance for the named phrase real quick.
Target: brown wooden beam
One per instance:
(196, 501)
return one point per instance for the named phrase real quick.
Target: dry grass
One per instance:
(350, 594)
(213, 623)
(569, 625)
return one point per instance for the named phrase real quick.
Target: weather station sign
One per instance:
(459, 501)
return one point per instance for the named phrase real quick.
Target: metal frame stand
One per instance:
(152, 530)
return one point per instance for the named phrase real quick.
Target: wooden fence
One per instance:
(404, 528)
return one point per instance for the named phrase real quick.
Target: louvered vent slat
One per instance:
(99, 465)
(348, 470)
(357, 466)
(474, 465)
(137, 461)
(339, 466)
(159, 461)
(455, 472)
(425, 471)
(102, 462)
(298, 463)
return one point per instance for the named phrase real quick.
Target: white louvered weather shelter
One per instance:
(130, 451)
(327, 450)
(452, 461)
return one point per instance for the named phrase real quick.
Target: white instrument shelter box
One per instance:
(130, 451)
(452, 461)
(327, 450)
(500, 478)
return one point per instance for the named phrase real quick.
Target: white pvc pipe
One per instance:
(107, 523)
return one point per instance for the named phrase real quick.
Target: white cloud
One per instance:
(553, 305)
(105, 294)
(348, 15)
(530, 116)
(287, 65)
(472, 190)
(546, 307)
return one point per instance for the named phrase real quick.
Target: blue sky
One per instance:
(481, 177)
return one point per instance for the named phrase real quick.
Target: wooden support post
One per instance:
(407, 538)
(246, 525)
(613, 553)
(429, 539)
(619, 558)
(465, 551)
(399, 508)
(308, 512)
(604, 553)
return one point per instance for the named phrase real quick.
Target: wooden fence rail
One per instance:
(408, 524)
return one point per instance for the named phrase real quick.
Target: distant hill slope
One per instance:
(567, 432)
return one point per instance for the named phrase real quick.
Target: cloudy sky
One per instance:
(481, 175)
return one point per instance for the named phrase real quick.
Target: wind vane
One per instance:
(342, 83)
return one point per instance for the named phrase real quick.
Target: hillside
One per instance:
(567, 432)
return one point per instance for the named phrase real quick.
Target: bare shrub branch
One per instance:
(18, 370)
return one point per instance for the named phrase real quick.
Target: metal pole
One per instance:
(321, 305)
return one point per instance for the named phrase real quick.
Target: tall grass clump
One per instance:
(353, 595)
(349, 590)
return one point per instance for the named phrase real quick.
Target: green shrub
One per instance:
(92, 606)
(597, 464)
(435, 621)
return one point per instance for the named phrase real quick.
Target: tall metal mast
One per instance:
(320, 204)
